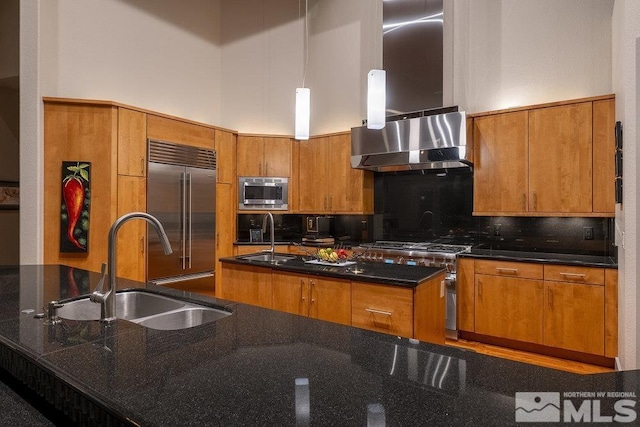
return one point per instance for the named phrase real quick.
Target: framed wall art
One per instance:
(75, 204)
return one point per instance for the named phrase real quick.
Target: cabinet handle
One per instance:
(302, 290)
(142, 245)
(550, 298)
(479, 288)
(142, 166)
(574, 275)
(535, 201)
(325, 203)
(259, 168)
(374, 311)
(330, 202)
(507, 270)
(524, 202)
(313, 285)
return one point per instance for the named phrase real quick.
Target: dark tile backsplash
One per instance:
(428, 206)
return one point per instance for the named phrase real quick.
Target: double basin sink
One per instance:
(146, 309)
(266, 257)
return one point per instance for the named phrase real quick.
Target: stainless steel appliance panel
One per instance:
(202, 220)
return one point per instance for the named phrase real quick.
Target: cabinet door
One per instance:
(225, 158)
(349, 189)
(250, 152)
(500, 182)
(604, 147)
(249, 285)
(314, 181)
(560, 159)
(132, 259)
(277, 157)
(465, 294)
(180, 132)
(225, 225)
(132, 142)
(574, 317)
(387, 309)
(330, 300)
(509, 308)
(290, 293)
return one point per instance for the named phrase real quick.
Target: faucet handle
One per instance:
(100, 286)
(52, 313)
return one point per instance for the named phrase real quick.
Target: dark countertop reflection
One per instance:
(263, 367)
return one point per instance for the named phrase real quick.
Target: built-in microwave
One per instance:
(259, 192)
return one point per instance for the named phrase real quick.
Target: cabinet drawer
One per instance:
(380, 308)
(521, 270)
(573, 274)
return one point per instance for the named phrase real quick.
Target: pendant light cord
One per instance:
(306, 42)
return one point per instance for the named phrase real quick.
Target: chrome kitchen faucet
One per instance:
(107, 300)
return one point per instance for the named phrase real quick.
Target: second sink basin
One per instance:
(267, 257)
(147, 309)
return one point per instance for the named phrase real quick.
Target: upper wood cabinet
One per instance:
(225, 157)
(132, 142)
(180, 132)
(546, 160)
(500, 163)
(327, 183)
(264, 156)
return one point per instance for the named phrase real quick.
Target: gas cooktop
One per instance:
(417, 246)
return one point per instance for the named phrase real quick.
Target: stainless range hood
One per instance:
(435, 141)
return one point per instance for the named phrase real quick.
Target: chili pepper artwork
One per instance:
(74, 213)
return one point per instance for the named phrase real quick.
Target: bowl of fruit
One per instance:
(330, 255)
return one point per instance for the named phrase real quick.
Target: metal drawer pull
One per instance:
(550, 298)
(372, 310)
(576, 275)
(507, 270)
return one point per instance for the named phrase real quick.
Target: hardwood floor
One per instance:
(532, 358)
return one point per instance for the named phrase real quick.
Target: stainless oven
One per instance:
(257, 192)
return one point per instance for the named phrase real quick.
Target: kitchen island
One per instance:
(258, 367)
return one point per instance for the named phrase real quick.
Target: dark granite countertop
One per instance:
(543, 257)
(375, 272)
(263, 367)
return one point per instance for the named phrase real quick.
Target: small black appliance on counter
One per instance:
(320, 229)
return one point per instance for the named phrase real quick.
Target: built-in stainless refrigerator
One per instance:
(181, 193)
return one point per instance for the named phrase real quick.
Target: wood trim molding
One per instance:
(545, 105)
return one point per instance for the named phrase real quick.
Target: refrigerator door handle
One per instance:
(183, 217)
(189, 218)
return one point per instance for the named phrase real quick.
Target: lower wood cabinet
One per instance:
(380, 308)
(246, 284)
(313, 296)
(558, 307)
(509, 307)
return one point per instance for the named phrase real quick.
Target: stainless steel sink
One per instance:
(183, 318)
(147, 309)
(267, 258)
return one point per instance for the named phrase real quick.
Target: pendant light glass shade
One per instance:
(303, 113)
(376, 99)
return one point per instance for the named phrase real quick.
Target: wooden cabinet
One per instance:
(560, 159)
(132, 142)
(264, 156)
(546, 160)
(387, 309)
(246, 284)
(313, 296)
(225, 157)
(500, 163)
(132, 246)
(180, 132)
(559, 307)
(327, 183)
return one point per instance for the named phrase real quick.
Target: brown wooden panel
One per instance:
(225, 157)
(313, 190)
(429, 311)
(290, 292)
(611, 313)
(574, 274)
(330, 300)
(80, 133)
(509, 308)
(250, 152)
(132, 142)
(132, 197)
(604, 146)
(277, 157)
(166, 129)
(500, 178)
(561, 159)
(249, 285)
(524, 270)
(465, 294)
(387, 309)
(574, 317)
(225, 225)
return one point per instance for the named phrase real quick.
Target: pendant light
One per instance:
(303, 94)
(376, 99)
